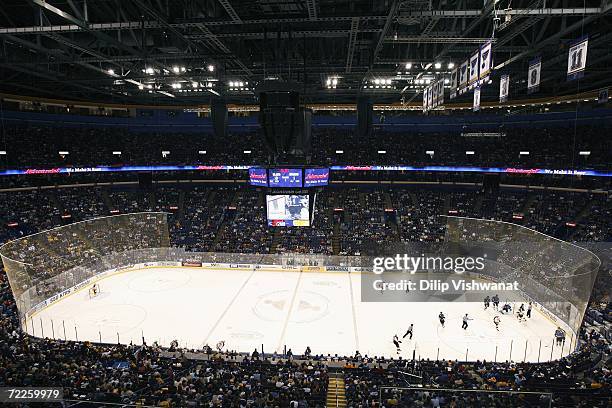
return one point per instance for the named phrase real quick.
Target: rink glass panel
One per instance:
(42, 265)
(553, 273)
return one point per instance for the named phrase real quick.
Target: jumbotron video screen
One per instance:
(287, 210)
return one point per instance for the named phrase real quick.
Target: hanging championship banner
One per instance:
(441, 92)
(454, 82)
(603, 96)
(476, 99)
(486, 59)
(576, 58)
(434, 93)
(463, 76)
(424, 100)
(533, 77)
(474, 65)
(504, 83)
(429, 97)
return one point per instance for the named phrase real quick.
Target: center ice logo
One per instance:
(306, 307)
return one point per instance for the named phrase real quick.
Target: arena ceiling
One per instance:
(188, 51)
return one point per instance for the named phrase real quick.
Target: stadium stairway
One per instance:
(336, 396)
(181, 205)
(336, 239)
(529, 203)
(276, 235)
(107, 200)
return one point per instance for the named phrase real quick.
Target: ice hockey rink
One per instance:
(249, 308)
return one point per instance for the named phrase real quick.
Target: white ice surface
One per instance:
(246, 309)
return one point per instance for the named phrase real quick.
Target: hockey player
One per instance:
(559, 336)
(495, 302)
(464, 325)
(409, 331)
(496, 321)
(487, 302)
(397, 342)
(529, 310)
(520, 315)
(442, 318)
(95, 289)
(408, 286)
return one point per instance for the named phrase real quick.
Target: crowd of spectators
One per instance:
(346, 221)
(582, 379)
(147, 375)
(232, 219)
(246, 231)
(40, 146)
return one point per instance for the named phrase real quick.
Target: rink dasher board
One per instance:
(250, 267)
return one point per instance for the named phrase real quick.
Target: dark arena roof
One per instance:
(306, 203)
(106, 50)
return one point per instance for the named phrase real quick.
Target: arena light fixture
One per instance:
(429, 152)
(523, 153)
(469, 152)
(584, 153)
(201, 151)
(63, 153)
(437, 65)
(382, 152)
(149, 71)
(339, 151)
(176, 69)
(194, 84)
(408, 65)
(451, 65)
(111, 72)
(247, 152)
(210, 68)
(117, 153)
(3, 152)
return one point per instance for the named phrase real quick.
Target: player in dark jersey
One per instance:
(442, 318)
(397, 342)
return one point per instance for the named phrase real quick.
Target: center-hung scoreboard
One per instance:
(291, 193)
